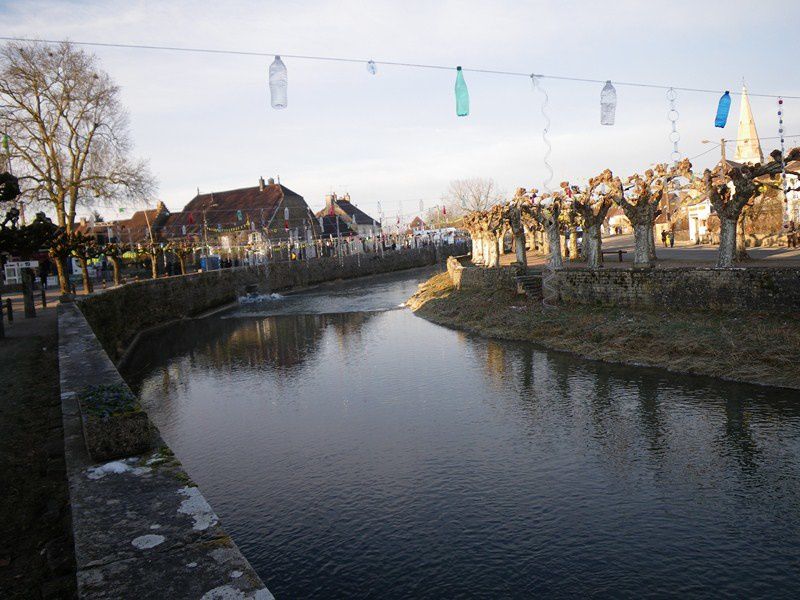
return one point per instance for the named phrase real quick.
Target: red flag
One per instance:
(444, 209)
(190, 220)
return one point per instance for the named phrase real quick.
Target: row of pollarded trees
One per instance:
(540, 220)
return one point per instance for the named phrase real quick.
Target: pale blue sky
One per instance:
(205, 121)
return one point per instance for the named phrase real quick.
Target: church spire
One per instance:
(748, 147)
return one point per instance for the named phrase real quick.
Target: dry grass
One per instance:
(757, 348)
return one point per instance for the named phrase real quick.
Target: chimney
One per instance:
(260, 184)
(271, 181)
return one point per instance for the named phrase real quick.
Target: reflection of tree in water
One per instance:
(279, 342)
(630, 410)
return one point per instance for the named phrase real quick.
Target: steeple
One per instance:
(748, 147)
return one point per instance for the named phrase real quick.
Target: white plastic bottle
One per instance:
(278, 83)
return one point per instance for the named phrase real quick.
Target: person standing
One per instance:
(671, 238)
(44, 272)
(664, 237)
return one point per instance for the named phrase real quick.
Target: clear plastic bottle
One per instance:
(608, 104)
(371, 68)
(278, 83)
(723, 108)
(462, 94)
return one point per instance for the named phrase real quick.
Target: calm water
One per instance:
(355, 450)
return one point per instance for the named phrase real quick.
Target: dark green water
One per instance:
(354, 450)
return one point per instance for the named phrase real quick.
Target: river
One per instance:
(354, 450)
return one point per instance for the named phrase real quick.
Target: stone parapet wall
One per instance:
(141, 528)
(117, 315)
(737, 289)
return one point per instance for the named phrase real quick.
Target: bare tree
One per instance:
(68, 132)
(592, 204)
(476, 193)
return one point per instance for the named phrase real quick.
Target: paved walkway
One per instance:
(36, 553)
(683, 254)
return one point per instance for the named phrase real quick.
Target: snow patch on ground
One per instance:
(143, 542)
(196, 507)
(116, 467)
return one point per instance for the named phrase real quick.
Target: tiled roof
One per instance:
(352, 211)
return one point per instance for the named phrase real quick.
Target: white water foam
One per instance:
(254, 298)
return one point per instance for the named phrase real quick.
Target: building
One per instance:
(356, 219)
(266, 214)
(141, 228)
(417, 224)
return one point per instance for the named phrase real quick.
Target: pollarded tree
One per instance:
(640, 201)
(730, 188)
(547, 212)
(85, 248)
(182, 250)
(570, 220)
(113, 251)
(514, 214)
(592, 204)
(68, 132)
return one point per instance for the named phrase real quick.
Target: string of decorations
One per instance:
(783, 161)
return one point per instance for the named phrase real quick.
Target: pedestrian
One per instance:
(671, 238)
(664, 237)
(44, 272)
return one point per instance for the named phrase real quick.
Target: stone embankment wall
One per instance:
(743, 289)
(119, 314)
(479, 277)
(141, 528)
(737, 289)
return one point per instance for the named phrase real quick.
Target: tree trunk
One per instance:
(651, 243)
(727, 242)
(544, 242)
(477, 249)
(643, 237)
(554, 243)
(741, 239)
(154, 264)
(115, 265)
(593, 246)
(87, 282)
(182, 261)
(63, 283)
(519, 246)
(573, 244)
(495, 247)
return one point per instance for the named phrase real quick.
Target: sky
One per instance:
(205, 122)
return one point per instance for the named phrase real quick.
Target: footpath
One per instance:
(36, 550)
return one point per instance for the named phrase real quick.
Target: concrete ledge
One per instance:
(141, 527)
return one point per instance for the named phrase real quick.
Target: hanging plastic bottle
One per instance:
(371, 68)
(462, 94)
(608, 104)
(278, 83)
(286, 219)
(723, 108)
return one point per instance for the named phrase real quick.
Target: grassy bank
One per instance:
(757, 348)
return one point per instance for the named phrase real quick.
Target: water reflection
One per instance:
(372, 454)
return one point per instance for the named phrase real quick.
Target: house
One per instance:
(265, 214)
(618, 223)
(417, 224)
(357, 219)
(142, 227)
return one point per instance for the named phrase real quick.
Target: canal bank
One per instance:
(761, 348)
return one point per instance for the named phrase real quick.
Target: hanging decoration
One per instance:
(608, 104)
(371, 68)
(672, 115)
(723, 108)
(239, 215)
(278, 83)
(286, 219)
(783, 162)
(462, 94)
(537, 86)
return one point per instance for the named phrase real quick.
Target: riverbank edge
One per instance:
(755, 348)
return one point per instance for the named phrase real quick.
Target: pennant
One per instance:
(190, 220)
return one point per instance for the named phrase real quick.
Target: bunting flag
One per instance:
(190, 220)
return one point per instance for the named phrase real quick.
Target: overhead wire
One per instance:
(389, 63)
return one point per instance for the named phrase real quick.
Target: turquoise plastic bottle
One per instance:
(723, 108)
(462, 94)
